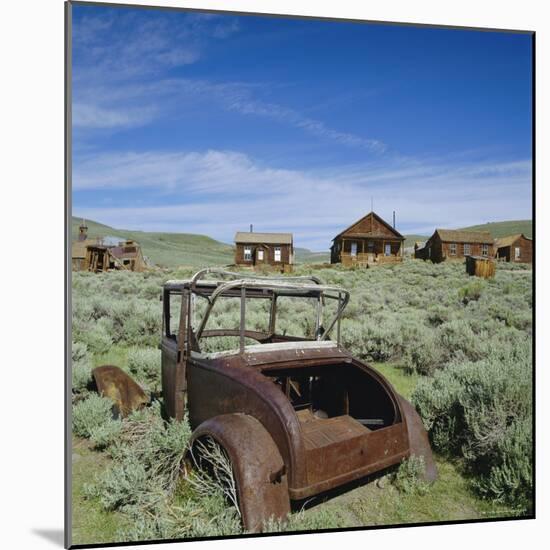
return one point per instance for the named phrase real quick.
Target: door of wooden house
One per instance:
(261, 255)
(387, 250)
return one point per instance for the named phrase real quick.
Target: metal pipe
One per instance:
(243, 318)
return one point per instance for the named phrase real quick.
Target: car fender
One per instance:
(419, 442)
(258, 467)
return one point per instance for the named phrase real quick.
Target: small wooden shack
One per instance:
(514, 248)
(92, 255)
(126, 256)
(456, 244)
(480, 267)
(369, 241)
(420, 250)
(264, 249)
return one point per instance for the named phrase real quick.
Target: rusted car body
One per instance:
(296, 416)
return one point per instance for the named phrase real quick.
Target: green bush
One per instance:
(144, 364)
(91, 413)
(81, 371)
(481, 411)
(409, 478)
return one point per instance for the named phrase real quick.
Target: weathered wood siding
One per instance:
(437, 250)
(269, 254)
(508, 253)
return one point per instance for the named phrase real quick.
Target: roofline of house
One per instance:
(365, 216)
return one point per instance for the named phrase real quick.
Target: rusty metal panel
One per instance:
(114, 383)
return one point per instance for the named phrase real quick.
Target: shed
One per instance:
(480, 266)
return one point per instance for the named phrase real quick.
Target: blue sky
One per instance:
(203, 123)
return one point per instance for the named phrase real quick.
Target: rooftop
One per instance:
(509, 240)
(261, 238)
(460, 236)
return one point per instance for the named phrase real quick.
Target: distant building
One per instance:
(514, 248)
(418, 249)
(78, 249)
(455, 244)
(264, 249)
(369, 241)
(93, 255)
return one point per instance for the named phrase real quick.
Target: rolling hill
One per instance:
(166, 249)
(181, 249)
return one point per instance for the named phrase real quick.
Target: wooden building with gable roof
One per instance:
(456, 244)
(369, 241)
(514, 248)
(264, 249)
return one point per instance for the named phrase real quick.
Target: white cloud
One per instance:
(219, 192)
(89, 115)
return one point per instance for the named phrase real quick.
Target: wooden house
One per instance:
(369, 241)
(456, 244)
(264, 249)
(514, 248)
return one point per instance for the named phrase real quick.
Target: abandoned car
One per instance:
(297, 415)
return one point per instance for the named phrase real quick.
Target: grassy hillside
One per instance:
(182, 249)
(167, 249)
(305, 256)
(497, 230)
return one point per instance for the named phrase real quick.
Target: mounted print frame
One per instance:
(300, 274)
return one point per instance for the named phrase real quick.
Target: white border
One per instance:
(32, 271)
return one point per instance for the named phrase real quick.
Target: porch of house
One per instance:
(367, 252)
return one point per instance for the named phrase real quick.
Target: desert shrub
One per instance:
(145, 483)
(106, 434)
(97, 337)
(149, 454)
(91, 413)
(144, 364)
(457, 339)
(81, 371)
(471, 291)
(479, 411)
(409, 477)
(425, 355)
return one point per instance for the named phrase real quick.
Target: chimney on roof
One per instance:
(251, 228)
(83, 231)
(394, 219)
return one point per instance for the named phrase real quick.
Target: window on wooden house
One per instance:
(260, 255)
(247, 253)
(467, 251)
(484, 249)
(277, 253)
(517, 252)
(452, 249)
(354, 249)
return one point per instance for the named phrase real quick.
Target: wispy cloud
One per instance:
(247, 105)
(124, 45)
(88, 115)
(236, 97)
(219, 192)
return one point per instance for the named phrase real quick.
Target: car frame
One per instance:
(296, 416)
